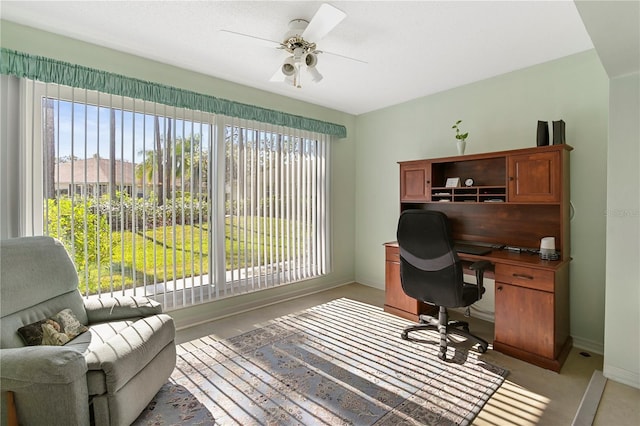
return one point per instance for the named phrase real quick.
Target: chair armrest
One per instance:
(479, 267)
(125, 354)
(25, 366)
(118, 308)
(49, 384)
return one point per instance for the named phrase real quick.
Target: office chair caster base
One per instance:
(459, 324)
(482, 349)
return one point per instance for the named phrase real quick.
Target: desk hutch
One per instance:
(517, 197)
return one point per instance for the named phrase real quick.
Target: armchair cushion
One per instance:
(27, 283)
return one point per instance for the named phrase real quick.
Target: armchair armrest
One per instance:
(124, 355)
(48, 384)
(20, 367)
(118, 308)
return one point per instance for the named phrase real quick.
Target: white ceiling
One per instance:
(412, 48)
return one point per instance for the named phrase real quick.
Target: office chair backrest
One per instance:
(430, 269)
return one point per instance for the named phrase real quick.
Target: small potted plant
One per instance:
(461, 137)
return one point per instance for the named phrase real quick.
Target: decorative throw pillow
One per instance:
(55, 331)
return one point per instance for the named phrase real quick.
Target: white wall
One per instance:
(614, 30)
(9, 184)
(500, 113)
(622, 317)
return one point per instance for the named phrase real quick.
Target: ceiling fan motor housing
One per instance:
(296, 28)
(293, 38)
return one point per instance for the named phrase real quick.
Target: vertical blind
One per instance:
(180, 205)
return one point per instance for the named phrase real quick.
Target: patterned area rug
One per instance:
(339, 363)
(174, 405)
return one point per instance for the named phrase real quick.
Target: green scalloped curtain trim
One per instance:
(53, 71)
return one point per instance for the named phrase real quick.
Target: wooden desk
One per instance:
(516, 198)
(531, 304)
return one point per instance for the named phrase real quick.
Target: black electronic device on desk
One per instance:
(472, 249)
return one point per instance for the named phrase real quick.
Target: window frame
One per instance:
(32, 170)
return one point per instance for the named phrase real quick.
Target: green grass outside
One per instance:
(191, 257)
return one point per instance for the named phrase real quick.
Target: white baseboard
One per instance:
(621, 375)
(588, 345)
(218, 309)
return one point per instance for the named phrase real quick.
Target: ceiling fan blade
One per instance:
(341, 56)
(325, 19)
(264, 41)
(277, 76)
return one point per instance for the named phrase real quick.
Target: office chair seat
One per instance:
(431, 272)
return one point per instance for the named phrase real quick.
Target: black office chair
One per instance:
(431, 272)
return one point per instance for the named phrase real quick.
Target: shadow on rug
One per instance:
(174, 405)
(342, 362)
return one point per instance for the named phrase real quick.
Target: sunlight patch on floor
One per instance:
(513, 405)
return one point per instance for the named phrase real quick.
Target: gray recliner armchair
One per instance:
(104, 376)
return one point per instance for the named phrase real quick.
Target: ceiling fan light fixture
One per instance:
(302, 51)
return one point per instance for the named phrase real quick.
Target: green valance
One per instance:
(53, 71)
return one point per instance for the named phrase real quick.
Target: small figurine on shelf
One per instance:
(461, 137)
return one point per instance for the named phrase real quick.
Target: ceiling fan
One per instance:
(298, 43)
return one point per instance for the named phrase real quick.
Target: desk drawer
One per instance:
(538, 279)
(392, 254)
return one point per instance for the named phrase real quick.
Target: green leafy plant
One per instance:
(459, 136)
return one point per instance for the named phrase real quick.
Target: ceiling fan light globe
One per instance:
(288, 70)
(288, 67)
(311, 59)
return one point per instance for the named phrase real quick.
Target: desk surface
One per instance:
(508, 258)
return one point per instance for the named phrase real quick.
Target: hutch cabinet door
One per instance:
(535, 177)
(415, 181)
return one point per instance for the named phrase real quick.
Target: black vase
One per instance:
(558, 132)
(543, 133)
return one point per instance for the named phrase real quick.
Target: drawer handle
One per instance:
(500, 288)
(523, 276)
